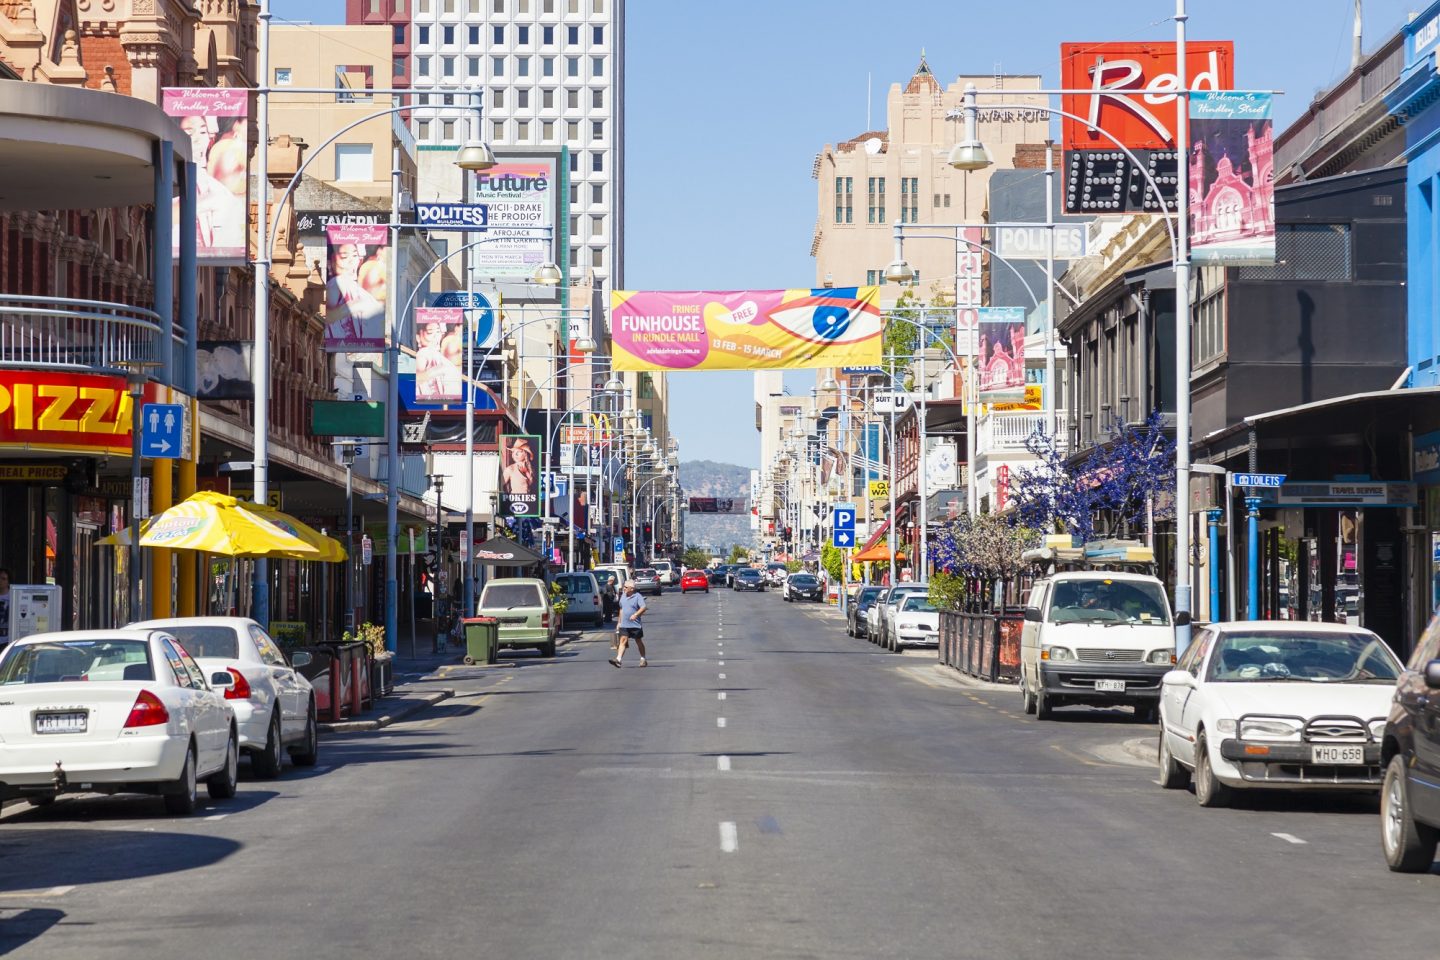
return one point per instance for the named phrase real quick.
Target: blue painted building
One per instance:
(1415, 102)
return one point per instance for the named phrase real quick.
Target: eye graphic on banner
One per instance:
(746, 330)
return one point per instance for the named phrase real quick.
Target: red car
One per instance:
(694, 580)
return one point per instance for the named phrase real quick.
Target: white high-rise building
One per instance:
(550, 74)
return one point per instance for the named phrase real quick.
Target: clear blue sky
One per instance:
(728, 103)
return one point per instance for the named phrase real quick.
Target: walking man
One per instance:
(632, 608)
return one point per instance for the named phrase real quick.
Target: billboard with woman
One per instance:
(355, 288)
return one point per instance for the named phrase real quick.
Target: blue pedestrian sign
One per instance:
(162, 430)
(1271, 480)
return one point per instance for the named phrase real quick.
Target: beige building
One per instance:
(357, 58)
(899, 173)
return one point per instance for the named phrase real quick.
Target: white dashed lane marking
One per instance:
(722, 763)
(720, 695)
(1288, 837)
(729, 837)
(720, 722)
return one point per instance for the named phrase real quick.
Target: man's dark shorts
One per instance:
(634, 633)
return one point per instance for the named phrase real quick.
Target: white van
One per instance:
(1097, 637)
(666, 569)
(582, 594)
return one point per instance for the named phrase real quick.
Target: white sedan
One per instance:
(112, 711)
(917, 622)
(274, 704)
(1286, 704)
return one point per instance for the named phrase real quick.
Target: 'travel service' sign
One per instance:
(746, 329)
(67, 412)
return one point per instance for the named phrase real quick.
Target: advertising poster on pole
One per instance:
(355, 289)
(521, 199)
(519, 476)
(746, 329)
(439, 353)
(215, 121)
(1232, 178)
(1000, 359)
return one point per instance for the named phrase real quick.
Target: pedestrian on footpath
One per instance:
(632, 608)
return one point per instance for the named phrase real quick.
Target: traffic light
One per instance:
(647, 531)
(787, 534)
(625, 534)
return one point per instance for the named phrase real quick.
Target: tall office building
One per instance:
(548, 74)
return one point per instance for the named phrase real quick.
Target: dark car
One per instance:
(647, 580)
(1410, 792)
(748, 578)
(717, 574)
(803, 586)
(855, 616)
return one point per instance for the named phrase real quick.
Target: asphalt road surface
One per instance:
(767, 787)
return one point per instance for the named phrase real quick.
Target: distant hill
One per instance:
(709, 478)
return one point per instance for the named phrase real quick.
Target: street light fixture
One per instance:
(547, 274)
(899, 272)
(475, 155)
(969, 153)
(614, 385)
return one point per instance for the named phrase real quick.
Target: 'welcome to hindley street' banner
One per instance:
(746, 329)
(1232, 177)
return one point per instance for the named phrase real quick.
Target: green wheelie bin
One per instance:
(482, 640)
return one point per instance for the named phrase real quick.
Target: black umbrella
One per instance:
(504, 552)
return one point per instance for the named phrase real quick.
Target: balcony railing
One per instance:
(85, 336)
(1007, 432)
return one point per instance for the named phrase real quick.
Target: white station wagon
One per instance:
(1276, 704)
(113, 711)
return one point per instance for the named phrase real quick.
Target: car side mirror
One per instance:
(1182, 619)
(1032, 614)
(1432, 674)
(1177, 677)
(301, 659)
(222, 679)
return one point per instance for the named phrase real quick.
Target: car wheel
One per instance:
(1027, 698)
(1409, 846)
(183, 795)
(1044, 707)
(308, 751)
(1209, 792)
(221, 785)
(547, 649)
(267, 763)
(1172, 775)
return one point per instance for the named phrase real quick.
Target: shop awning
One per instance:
(504, 552)
(877, 554)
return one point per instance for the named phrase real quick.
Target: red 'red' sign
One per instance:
(1140, 121)
(70, 412)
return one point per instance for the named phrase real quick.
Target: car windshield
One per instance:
(510, 595)
(1267, 657)
(803, 580)
(63, 661)
(605, 577)
(644, 573)
(1109, 601)
(748, 574)
(868, 596)
(576, 584)
(918, 603)
(220, 643)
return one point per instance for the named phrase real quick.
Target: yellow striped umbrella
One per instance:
(328, 549)
(215, 523)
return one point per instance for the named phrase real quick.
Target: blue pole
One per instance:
(1252, 525)
(1214, 517)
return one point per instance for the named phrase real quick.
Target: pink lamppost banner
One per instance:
(439, 352)
(214, 119)
(1000, 359)
(355, 291)
(1232, 178)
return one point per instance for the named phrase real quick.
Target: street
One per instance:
(767, 787)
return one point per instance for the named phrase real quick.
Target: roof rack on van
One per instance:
(1059, 553)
